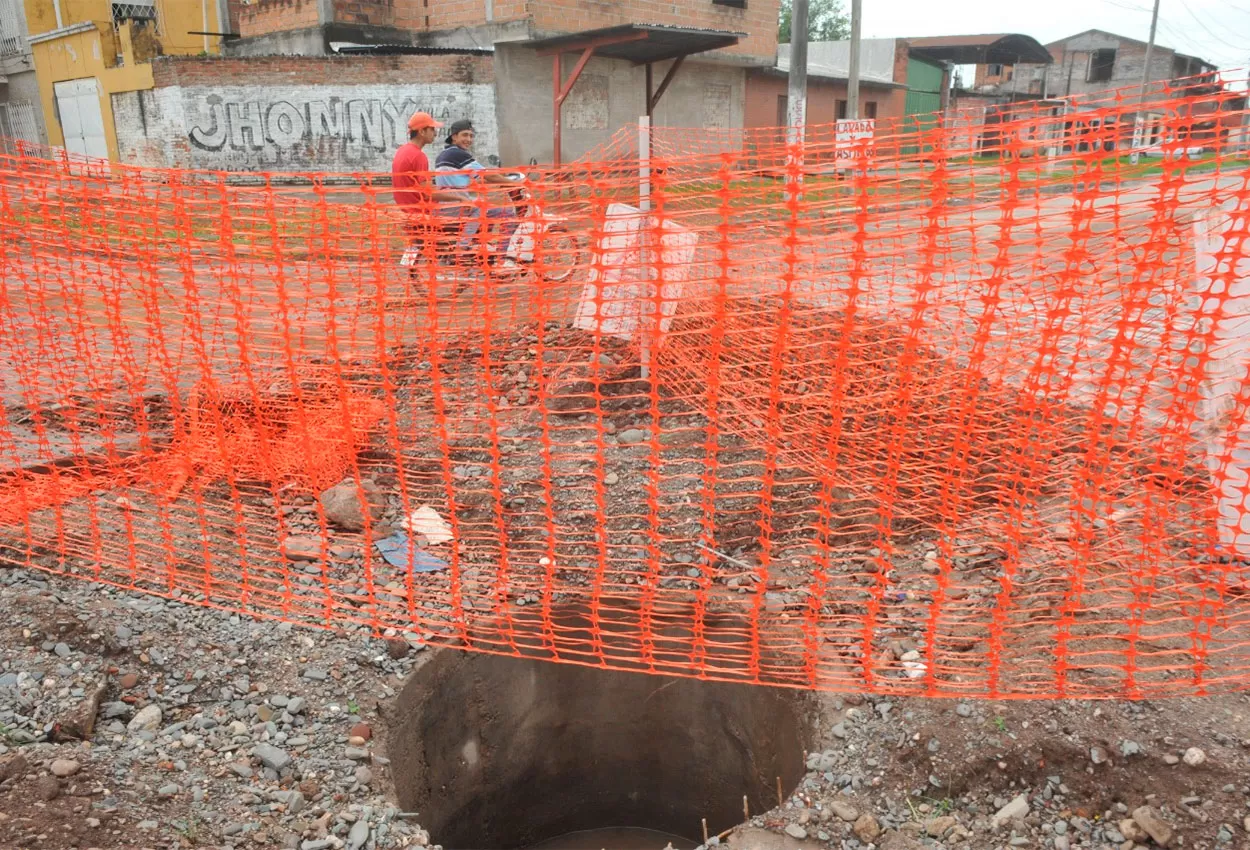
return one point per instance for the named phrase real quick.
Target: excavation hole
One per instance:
(496, 753)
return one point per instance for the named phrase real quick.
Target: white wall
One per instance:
(608, 96)
(876, 58)
(290, 128)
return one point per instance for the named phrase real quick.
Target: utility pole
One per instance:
(852, 68)
(796, 95)
(1139, 120)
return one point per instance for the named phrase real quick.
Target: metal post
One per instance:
(649, 96)
(1138, 121)
(796, 103)
(852, 70)
(204, 17)
(556, 104)
(644, 163)
(796, 94)
(644, 245)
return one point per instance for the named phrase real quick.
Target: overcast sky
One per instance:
(1216, 30)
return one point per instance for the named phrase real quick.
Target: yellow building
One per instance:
(86, 51)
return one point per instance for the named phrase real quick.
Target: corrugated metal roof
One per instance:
(1062, 42)
(1007, 48)
(351, 48)
(836, 75)
(654, 42)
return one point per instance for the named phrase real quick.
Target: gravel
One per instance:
(230, 733)
(906, 774)
(249, 733)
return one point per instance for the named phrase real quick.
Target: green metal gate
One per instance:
(924, 99)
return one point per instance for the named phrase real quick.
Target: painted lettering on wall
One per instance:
(297, 127)
(370, 123)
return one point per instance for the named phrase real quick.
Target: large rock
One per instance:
(147, 720)
(1017, 809)
(844, 810)
(1154, 824)
(272, 757)
(866, 828)
(79, 723)
(302, 548)
(1132, 831)
(342, 504)
(14, 764)
(64, 767)
(358, 835)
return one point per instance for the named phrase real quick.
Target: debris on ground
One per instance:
(219, 730)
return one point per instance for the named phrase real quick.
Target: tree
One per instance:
(827, 20)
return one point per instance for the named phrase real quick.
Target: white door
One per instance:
(78, 102)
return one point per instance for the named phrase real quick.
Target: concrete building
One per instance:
(1087, 63)
(904, 83)
(87, 53)
(685, 64)
(882, 81)
(20, 116)
(1096, 71)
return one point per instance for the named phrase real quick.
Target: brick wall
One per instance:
(378, 13)
(440, 15)
(549, 17)
(902, 57)
(1069, 71)
(758, 20)
(318, 70)
(294, 113)
(983, 76)
(265, 16)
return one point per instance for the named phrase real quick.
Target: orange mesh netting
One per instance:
(953, 405)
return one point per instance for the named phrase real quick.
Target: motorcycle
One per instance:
(542, 244)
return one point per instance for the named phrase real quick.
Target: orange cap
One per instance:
(421, 120)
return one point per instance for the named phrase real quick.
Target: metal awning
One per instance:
(997, 48)
(398, 49)
(641, 44)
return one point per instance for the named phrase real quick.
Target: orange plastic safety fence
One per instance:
(954, 405)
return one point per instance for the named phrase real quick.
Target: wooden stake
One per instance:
(746, 809)
(705, 832)
(780, 797)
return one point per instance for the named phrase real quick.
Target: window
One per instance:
(10, 30)
(994, 70)
(142, 10)
(841, 109)
(1101, 65)
(733, 4)
(870, 109)
(783, 111)
(1010, 73)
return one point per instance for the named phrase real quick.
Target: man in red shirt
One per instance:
(410, 170)
(415, 193)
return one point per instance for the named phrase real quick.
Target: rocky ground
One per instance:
(903, 774)
(130, 721)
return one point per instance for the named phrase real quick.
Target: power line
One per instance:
(1180, 36)
(1208, 31)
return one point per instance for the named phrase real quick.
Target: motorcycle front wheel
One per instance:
(560, 258)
